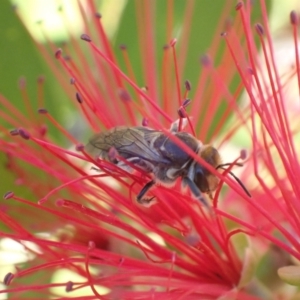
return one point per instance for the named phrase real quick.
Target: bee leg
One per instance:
(143, 191)
(195, 191)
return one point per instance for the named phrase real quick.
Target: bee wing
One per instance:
(128, 141)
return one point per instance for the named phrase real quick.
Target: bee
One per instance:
(154, 152)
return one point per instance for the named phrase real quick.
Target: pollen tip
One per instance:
(205, 61)
(79, 98)
(166, 47)
(85, 37)
(145, 122)
(123, 47)
(259, 29)
(186, 102)
(181, 113)
(72, 80)
(98, 15)
(124, 95)
(79, 147)
(8, 195)
(14, 132)
(69, 286)
(294, 18)
(8, 278)
(223, 34)
(42, 111)
(173, 42)
(188, 85)
(239, 6)
(243, 154)
(24, 134)
(58, 53)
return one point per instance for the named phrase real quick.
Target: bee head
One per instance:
(206, 181)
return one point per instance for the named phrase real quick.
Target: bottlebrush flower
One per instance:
(84, 232)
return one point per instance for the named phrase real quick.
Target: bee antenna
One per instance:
(235, 177)
(228, 164)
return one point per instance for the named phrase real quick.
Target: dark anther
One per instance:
(85, 37)
(188, 85)
(79, 98)
(8, 195)
(24, 134)
(69, 286)
(294, 18)
(8, 278)
(205, 60)
(239, 6)
(98, 15)
(124, 95)
(14, 132)
(186, 102)
(182, 113)
(42, 111)
(259, 29)
(79, 147)
(58, 53)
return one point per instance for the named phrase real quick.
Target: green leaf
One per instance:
(290, 274)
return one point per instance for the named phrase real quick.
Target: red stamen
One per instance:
(53, 191)
(90, 278)
(295, 21)
(166, 81)
(130, 82)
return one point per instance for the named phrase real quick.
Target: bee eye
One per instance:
(200, 179)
